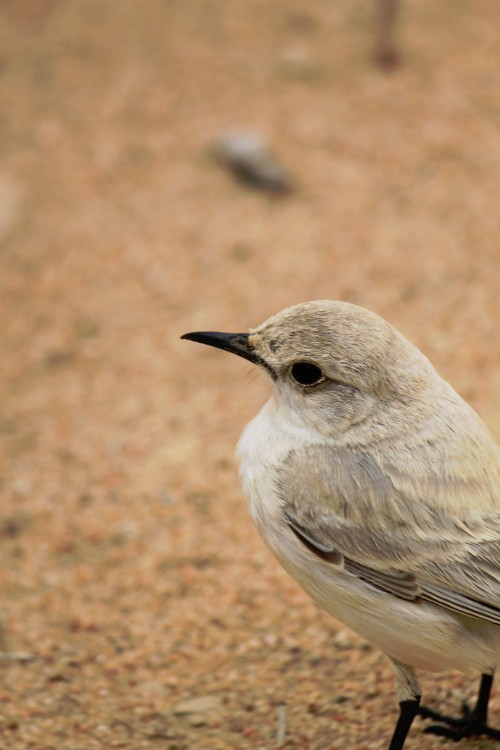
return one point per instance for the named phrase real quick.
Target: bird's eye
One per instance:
(305, 373)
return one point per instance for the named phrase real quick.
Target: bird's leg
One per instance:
(473, 723)
(408, 691)
(407, 712)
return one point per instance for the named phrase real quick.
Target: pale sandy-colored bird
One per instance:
(378, 489)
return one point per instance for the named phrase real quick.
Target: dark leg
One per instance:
(407, 712)
(473, 723)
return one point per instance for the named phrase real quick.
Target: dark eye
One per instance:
(306, 373)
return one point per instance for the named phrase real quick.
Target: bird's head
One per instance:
(332, 364)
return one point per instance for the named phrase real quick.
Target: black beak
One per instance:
(237, 343)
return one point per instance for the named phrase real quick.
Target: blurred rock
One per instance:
(250, 159)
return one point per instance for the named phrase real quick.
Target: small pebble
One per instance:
(197, 720)
(198, 705)
(297, 63)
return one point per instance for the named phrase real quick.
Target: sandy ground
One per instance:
(131, 577)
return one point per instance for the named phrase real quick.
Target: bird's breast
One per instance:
(264, 444)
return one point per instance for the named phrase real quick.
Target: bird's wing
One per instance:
(341, 502)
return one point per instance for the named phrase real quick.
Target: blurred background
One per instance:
(132, 582)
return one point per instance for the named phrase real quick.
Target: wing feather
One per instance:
(345, 505)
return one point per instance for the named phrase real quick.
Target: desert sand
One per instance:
(132, 581)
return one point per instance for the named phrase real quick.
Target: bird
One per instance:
(377, 487)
